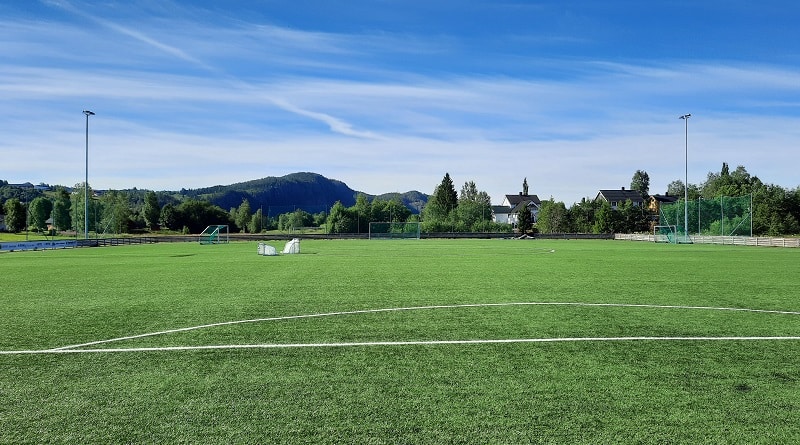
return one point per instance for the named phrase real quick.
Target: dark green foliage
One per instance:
(62, 215)
(604, 221)
(39, 210)
(295, 220)
(151, 211)
(15, 215)
(243, 215)
(196, 215)
(342, 219)
(524, 220)
(641, 182)
(553, 217)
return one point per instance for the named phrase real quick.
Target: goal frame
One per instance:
(215, 234)
(394, 230)
(660, 237)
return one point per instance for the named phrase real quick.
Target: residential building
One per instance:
(619, 196)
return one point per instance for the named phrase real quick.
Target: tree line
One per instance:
(776, 211)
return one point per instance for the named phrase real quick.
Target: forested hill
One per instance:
(310, 191)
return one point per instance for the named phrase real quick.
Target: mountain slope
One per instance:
(309, 191)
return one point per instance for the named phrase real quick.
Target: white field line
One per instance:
(391, 343)
(77, 347)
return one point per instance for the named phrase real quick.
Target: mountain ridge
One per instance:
(309, 191)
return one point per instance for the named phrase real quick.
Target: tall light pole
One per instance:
(685, 118)
(86, 181)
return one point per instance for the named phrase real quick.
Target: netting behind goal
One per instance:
(724, 216)
(394, 230)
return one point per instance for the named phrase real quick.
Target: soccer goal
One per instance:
(670, 234)
(665, 234)
(215, 234)
(394, 230)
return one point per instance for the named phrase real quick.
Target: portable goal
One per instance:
(215, 234)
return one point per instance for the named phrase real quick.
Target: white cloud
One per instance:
(262, 100)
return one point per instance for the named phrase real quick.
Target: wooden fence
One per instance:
(725, 240)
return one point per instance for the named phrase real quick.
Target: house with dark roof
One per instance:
(514, 203)
(618, 196)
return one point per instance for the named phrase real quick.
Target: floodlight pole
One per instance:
(685, 118)
(86, 181)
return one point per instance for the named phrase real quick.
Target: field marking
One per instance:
(78, 347)
(389, 343)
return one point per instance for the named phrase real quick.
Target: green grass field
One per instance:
(424, 341)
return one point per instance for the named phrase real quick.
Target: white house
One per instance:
(508, 210)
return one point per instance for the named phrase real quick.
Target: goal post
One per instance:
(394, 230)
(215, 234)
(665, 234)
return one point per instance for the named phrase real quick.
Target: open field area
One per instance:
(423, 341)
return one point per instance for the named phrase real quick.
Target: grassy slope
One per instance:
(586, 392)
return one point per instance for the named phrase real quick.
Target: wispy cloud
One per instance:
(178, 109)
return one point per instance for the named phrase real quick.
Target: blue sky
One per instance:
(388, 95)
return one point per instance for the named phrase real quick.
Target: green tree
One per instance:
(62, 217)
(79, 209)
(243, 215)
(474, 208)
(641, 183)
(195, 215)
(443, 201)
(295, 220)
(151, 210)
(256, 222)
(168, 217)
(604, 219)
(15, 215)
(582, 216)
(40, 210)
(116, 211)
(553, 217)
(363, 211)
(524, 220)
(675, 188)
(341, 219)
(629, 218)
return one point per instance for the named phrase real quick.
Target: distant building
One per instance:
(618, 196)
(508, 211)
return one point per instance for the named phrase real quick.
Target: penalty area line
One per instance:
(392, 343)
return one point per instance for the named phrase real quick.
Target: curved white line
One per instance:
(373, 311)
(392, 343)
